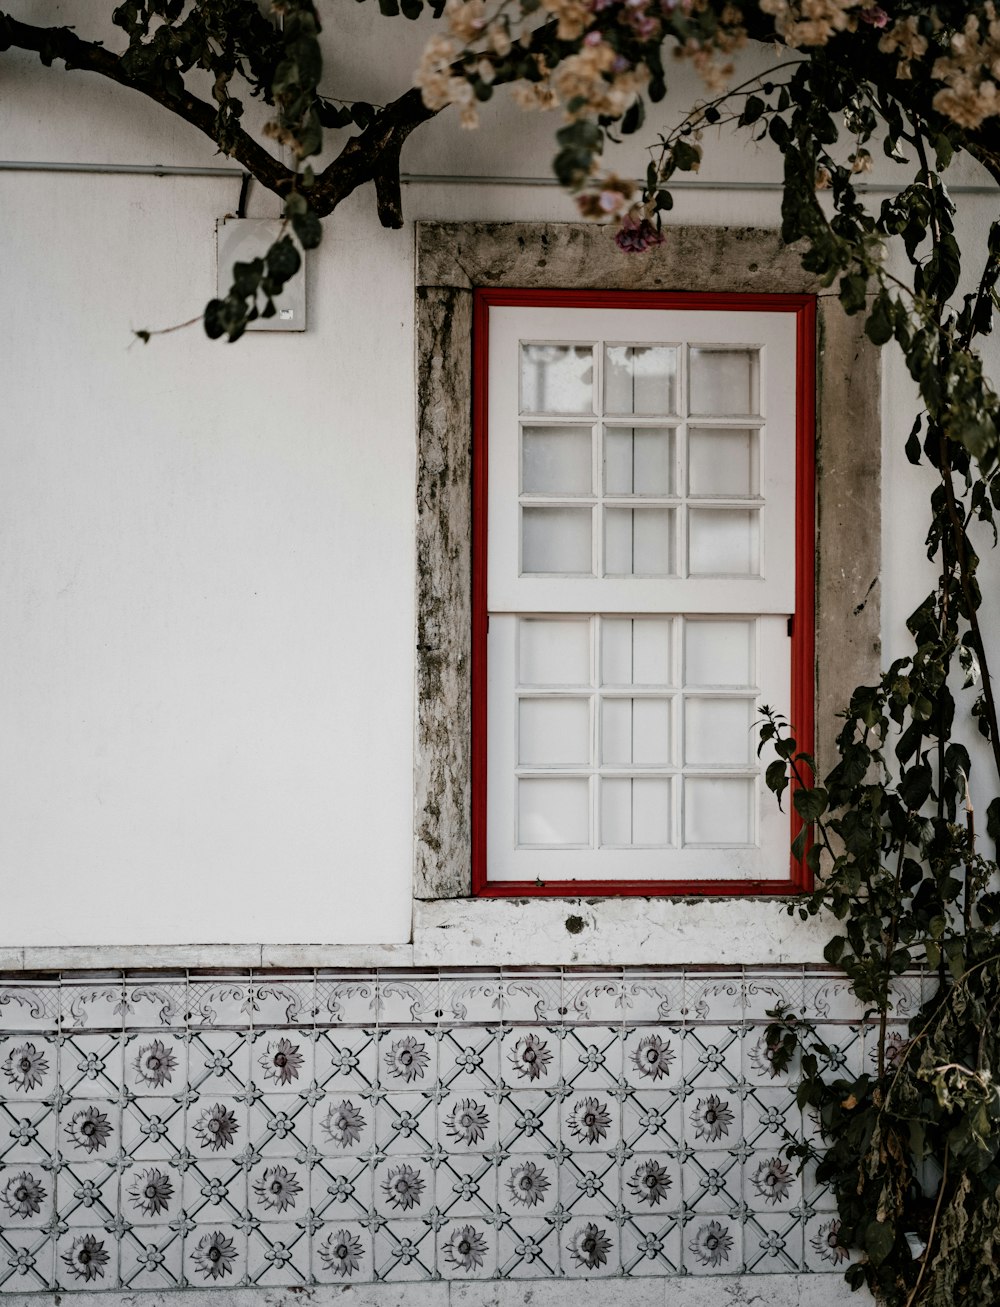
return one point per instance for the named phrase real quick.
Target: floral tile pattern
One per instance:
(171, 1130)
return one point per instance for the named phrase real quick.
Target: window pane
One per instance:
(718, 810)
(639, 542)
(722, 461)
(724, 542)
(719, 653)
(557, 379)
(635, 732)
(553, 810)
(717, 732)
(554, 653)
(638, 461)
(553, 732)
(635, 811)
(640, 379)
(556, 540)
(636, 651)
(556, 461)
(724, 382)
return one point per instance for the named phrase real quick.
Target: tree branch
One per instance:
(373, 156)
(51, 43)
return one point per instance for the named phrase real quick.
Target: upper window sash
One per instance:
(641, 461)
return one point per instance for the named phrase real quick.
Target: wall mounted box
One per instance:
(240, 240)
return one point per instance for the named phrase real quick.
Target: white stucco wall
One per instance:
(206, 552)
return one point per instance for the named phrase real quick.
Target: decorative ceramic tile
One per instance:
(285, 1130)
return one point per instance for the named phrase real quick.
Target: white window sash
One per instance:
(765, 860)
(770, 592)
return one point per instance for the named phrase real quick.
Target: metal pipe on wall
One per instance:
(428, 179)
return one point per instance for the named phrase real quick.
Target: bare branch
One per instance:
(90, 56)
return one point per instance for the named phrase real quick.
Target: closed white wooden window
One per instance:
(641, 573)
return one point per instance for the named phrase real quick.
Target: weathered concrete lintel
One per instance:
(453, 258)
(582, 256)
(829, 1290)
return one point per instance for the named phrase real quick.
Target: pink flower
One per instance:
(637, 236)
(875, 16)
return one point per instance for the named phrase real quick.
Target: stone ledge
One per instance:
(216, 957)
(611, 932)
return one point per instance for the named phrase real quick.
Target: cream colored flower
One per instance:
(466, 19)
(904, 38)
(498, 37)
(594, 80)
(434, 74)
(535, 95)
(811, 22)
(574, 17)
(970, 71)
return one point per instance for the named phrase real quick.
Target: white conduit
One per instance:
(431, 179)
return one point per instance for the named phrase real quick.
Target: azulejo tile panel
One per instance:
(183, 1130)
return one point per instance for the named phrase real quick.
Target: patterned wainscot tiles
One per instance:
(174, 1130)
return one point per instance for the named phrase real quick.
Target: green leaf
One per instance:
(993, 824)
(915, 786)
(879, 1239)
(810, 804)
(686, 156)
(215, 319)
(834, 950)
(913, 441)
(853, 292)
(879, 327)
(752, 110)
(634, 117)
(776, 778)
(308, 229)
(362, 113)
(283, 260)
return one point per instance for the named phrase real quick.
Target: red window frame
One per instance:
(803, 620)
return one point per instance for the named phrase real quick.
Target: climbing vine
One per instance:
(905, 864)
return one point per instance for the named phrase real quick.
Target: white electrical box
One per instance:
(241, 240)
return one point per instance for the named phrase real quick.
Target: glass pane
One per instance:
(722, 461)
(553, 732)
(639, 542)
(724, 382)
(724, 542)
(719, 653)
(556, 540)
(640, 379)
(553, 811)
(636, 651)
(553, 652)
(717, 732)
(557, 379)
(638, 461)
(718, 810)
(556, 461)
(635, 732)
(635, 810)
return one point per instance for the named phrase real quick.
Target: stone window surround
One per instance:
(451, 260)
